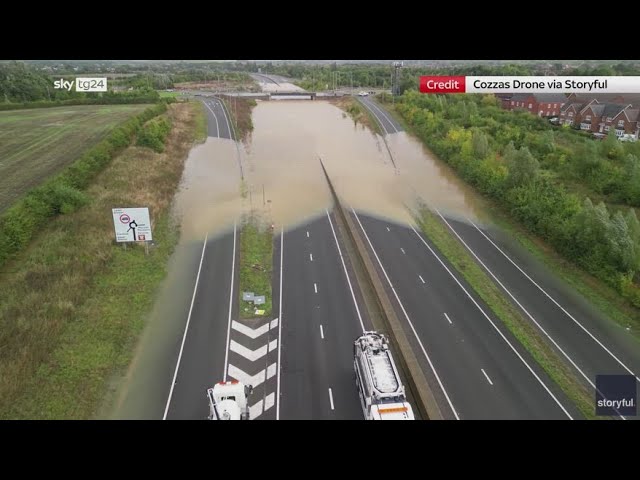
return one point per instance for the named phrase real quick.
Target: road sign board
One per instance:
(132, 224)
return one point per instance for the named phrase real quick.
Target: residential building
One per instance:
(541, 104)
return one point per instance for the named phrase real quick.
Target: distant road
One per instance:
(218, 120)
(389, 124)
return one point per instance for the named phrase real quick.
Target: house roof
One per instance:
(576, 106)
(550, 97)
(615, 98)
(612, 109)
(633, 114)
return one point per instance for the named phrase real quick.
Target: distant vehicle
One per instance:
(363, 94)
(382, 394)
(228, 401)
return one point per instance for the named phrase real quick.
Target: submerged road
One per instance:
(385, 119)
(218, 119)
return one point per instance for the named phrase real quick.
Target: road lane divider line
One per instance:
(186, 329)
(216, 119)
(402, 249)
(307, 234)
(383, 113)
(315, 287)
(311, 257)
(422, 279)
(487, 376)
(280, 324)
(555, 302)
(321, 332)
(344, 266)
(233, 264)
(494, 326)
(331, 399)
(406, 315)
(447, 317)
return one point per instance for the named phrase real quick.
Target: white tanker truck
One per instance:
(228, 401)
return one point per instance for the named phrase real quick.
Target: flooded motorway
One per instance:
(284, 181)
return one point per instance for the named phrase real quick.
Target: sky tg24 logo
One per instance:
(82, 84)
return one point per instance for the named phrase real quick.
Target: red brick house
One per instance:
(598, 118)
(541, 104)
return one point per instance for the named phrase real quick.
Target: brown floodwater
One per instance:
(283, 179)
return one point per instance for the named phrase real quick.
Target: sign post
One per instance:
(132, 225)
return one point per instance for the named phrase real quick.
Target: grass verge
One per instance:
(200, 120)
(256, 261)
(510, 316)
(358, 113)
(239, 109)
(73, 303)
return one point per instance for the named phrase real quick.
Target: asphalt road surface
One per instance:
(389, 124)
(218, 119)
(320, 322)
(482, 370)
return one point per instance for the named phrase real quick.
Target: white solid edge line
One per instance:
(494, 326)
(233, 264)
(344, 266)
(280, 324)
(424, 351)
(487, 376)
(227, 120)
(315, 287)
(311, 257)
(422, 279)
(521, 306)
(384, 114)
(216, 118)
(447, 317)
(321, 332)
(377, 118)
(331, 398)
(186, 328)
(554, 301)
(307, 234)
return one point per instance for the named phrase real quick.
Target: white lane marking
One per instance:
(447, 317)
(280, 324)
(494, 326)
(233, 264)
(402, 249)
(273, 344)
(344, 266)
(331, 399)
(321, 332)
(554, 301)
(186, 329)
(311, 257)
(388, 229)
(216, 118)
(248, 331)
(271, 370)
(242, 376)
(566, 355)
(274, 323)
(421, 279)
(384, 114)
(406, 315)
(377, 118)
(251, 355)
(487, 376)
(315, 287)
(255, 410)
(224, 112)
(307, 234)
(268, 402)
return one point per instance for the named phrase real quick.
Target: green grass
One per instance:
(201, 122)
(164, 94)
(256, 265)
(74, 303)
(554, 365)
(36, 143)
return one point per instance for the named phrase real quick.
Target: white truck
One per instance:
(382, 394)
(228, 401)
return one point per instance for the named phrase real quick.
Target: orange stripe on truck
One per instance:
(392, 410)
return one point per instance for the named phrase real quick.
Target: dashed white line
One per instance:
(402, 249)
(422, 279)
(487, 376)
(321, 332)
(216, 118)
(406, 315)
(484, 314)
(307, 234)
(186, 328)
(388, 230)
(447, 317)
(331, 399)
(233, 263)
(315, 287)
(311, 257)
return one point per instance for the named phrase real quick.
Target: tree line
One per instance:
(534, 171)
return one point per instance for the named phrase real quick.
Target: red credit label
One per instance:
(442, 84)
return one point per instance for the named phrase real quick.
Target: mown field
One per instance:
(37, 143)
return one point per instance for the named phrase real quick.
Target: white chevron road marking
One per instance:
(273, 344)
(255, 410)
(247, 379)
(251, 355)
(274, 323)
(271, 371)
(248, 331)
(269, 401)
